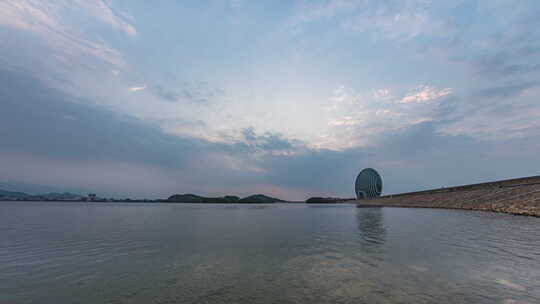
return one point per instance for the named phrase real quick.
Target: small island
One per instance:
(196, 199)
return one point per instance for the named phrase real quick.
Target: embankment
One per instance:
(517, 196)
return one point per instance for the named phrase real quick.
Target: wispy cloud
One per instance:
(405, 20)
(506, 90)
(52, 23)
(38, 15)
(164, 93)
(401, 20)
(103, 11)
(425, 93)
(137, 89)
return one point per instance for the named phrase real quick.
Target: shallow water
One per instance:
(175, 253)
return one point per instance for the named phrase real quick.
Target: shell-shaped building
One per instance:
(368, 184)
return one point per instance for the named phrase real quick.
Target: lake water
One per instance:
(176, 253)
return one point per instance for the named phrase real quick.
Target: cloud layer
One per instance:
(290, 99)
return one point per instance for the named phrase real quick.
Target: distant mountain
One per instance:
(259, 198)
(60, 196)
(12, 194)
(196, 199)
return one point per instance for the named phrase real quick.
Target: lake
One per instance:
(53, 252)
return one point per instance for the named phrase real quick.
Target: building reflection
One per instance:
(370, 222)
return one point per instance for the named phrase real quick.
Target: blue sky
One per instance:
(287, 98)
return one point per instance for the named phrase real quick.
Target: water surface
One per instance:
(175, 253)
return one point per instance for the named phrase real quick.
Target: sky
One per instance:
(286, 98)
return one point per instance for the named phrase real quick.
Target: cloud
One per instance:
(395, 20)
(80, 147)
(106, 177)
(510, 61)
(279, 126)
(136, 89)
(72, 137)
(404, 21)
(189, 92)
(164, 94)
(54, 23)
(425, 93)
(41, 16)
(60, 125)
(432, 159)
(69, 136)
(323, 9)
(268, 142)
(506, 91)
(359, 118)
(409, 158)
(104, 12)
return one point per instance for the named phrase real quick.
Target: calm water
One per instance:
(171, 253)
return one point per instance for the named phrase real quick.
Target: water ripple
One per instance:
(167, 253)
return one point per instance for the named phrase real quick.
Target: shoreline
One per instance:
(520, 196)
(448, 208)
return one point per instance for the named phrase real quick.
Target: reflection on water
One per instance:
(370, 223)
(173, 253)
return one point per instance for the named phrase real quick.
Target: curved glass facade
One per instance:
(368, 184)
